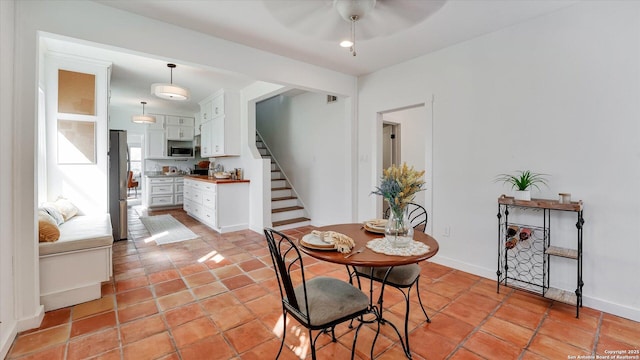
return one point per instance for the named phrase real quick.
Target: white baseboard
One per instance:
(6, 339)
(591, 302)
(70, 297)
(32, 321)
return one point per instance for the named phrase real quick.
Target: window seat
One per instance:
(73, 268)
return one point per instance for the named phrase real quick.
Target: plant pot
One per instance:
(522, 195)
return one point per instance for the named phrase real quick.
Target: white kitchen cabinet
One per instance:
(163, 191)
(179, 127)
(180, 120)
(223, 207)
(206, 148)
(159, 124)
(222, 109)
(155, 144)
(181, 133)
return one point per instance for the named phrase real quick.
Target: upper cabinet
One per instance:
(168, 129)
(220, 116)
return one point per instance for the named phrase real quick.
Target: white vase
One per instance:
(522, 195)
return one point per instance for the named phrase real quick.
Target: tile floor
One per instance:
(216, 297)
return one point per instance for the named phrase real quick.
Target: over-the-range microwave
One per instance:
(181, 151)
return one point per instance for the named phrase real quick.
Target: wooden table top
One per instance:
(368, 258)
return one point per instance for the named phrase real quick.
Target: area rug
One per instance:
(165, 229)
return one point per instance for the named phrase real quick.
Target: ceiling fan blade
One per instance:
(319, 18)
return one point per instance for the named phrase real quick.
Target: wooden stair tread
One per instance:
(289, 221)
(280, 188)
(290, 208)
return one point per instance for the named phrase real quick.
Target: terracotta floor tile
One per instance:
(169, 287)
(93, 344)
(464, 312)
(250, 292)
(30, 343)
(133, 296)
(449, 327)
(193, 331)
(137, 311)
(464, 354)
(55, 318)
(213, 347)
(174, 300)
(607, 344)
(227, 271)
(554, 349)
(94, 323)
(183, 314)
(208, 290)
(491, 347)
(200, 278)
(262, 274)
(248, 336)
(252, 264)
(567, 333)
(236, 282)
(240, 313)
(139, 329)
(92, 307)
(529, 302)
(507, 331)
(164, 275)
(265, 305)
(621, 329)
(519, 316)
(218, 302)
(152, 347)
(52, 353)
(133, 283)
(193, 269)
(430, 345)
(115, 354)
(107, 289)
(269, 350)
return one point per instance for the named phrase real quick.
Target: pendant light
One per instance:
(142, 118)
(170, 91)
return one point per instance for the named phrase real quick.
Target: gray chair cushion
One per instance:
(330, 299)
(403, 275)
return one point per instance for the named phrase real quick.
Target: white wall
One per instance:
(558, 94)
(310, 138)
(8, 317)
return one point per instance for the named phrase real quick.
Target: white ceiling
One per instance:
(302, 30)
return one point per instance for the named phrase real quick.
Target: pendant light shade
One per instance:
(142, 118)
(170, 91)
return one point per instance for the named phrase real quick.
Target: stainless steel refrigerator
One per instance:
(118, 171)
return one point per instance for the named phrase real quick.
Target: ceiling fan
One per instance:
(335, 20)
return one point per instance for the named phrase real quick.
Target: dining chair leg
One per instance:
(313, 345)
(284, 332)
(420, 299)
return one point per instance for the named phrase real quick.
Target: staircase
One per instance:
(287, 211)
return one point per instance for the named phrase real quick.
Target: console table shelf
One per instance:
(525, 249)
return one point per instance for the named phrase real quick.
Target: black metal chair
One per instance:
(318, 304)
(400, 277)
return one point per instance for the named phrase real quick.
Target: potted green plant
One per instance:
(522, 181)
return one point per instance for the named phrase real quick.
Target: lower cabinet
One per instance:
(223, 207)
(163, 191)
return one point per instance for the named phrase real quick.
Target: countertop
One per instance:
(213, 180)
(163, 175)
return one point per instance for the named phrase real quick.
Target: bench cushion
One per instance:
(79, 233)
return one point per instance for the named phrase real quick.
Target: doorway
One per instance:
(407, 136)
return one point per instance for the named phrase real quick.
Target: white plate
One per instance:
(312, 241)
(376, 224)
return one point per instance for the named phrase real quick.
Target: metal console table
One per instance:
(525, 250)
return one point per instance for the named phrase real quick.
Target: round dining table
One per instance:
(361, 255)
(368, 257)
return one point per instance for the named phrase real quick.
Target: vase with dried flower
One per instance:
(398, 186)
